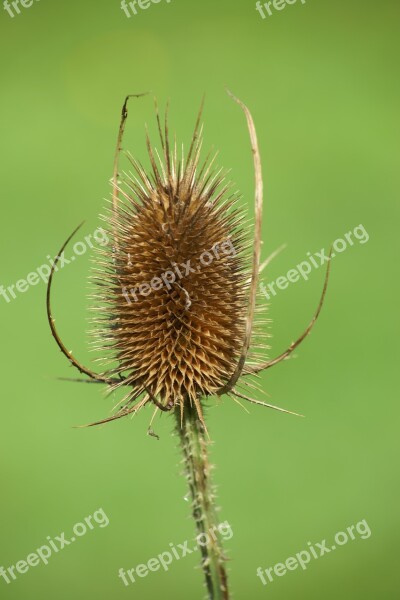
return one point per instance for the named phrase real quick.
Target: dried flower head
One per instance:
(176, 289)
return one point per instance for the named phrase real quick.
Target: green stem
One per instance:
(195, 444)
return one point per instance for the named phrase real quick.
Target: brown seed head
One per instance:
(173, 287)
(175, 302)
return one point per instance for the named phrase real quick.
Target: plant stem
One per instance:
(195, 444)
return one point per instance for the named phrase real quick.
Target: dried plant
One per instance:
(180, 344)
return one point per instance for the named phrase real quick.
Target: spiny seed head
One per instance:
(172, 286)
(175, 301)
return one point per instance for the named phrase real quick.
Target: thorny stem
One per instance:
(194, 443)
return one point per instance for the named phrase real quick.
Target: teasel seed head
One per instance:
(172, 287)
(176, 291)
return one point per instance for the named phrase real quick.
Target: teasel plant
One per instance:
(201, 334)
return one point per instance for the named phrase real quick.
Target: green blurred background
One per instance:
(322, 83)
